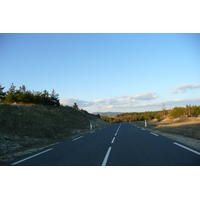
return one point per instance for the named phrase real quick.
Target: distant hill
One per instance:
(107, 113)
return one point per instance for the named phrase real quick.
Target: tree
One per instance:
(188, 107)
(54, 98)
(22, 89)
(11, 94)
(2, 94)
(158, 117)
(195, 110)
(21, 94)
(177, 112)
(45, 98)
(75, 106)
(12, 88)
(37, 97)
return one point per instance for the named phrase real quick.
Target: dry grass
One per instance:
(188, 127)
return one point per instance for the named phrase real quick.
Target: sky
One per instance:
(101, 72)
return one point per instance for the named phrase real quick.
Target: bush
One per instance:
(177, 112)
(158, 117)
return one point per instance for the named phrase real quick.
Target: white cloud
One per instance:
(146, 97)
(139, 97)
(183, 88)
(169, 103)
(128, 103)
(118, 102)
(148, 104)
(183, 102)
(103, 100)
(71, 101)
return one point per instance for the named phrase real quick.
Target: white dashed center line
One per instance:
(109, 149)
(106, 157)
(113, 140)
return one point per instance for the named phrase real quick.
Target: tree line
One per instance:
(134, 116)
(24, 96)
(188, 110)
(159, 115)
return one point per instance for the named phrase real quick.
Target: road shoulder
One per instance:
(193, 143)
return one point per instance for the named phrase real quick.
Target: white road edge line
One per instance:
(92, 131)
(153, 134)
(115, 133)
(31, 156)
(198, 153)
(113, 140)
(143, 129)
(77, 138)
(106, 157)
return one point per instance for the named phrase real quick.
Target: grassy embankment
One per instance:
(31, 126)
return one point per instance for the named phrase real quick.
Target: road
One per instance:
(120, 144)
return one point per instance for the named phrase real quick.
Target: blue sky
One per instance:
(106, 72)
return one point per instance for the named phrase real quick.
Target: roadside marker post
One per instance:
(90, 125)
(145, 123)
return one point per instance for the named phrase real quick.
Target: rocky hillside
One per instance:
(29, 126)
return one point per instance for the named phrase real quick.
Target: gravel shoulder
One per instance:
(193, 143)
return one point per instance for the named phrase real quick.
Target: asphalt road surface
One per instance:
(120, 144)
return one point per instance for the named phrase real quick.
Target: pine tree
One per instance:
(22, 89)
(11, 94)
(45, 98)
(54, 98)
(2, 94)
(75, 106)
(21, 94)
